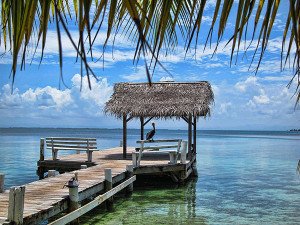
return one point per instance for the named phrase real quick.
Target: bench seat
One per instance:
(89, 145)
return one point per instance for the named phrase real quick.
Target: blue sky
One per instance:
(243, 100)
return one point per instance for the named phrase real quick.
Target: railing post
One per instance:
(134, 158)
(2, 183)
(51, 173)
(183, 152)
(108, 186)
(121, 143)
(74, 197)
(16, 205)
(129, 174)
(173, 157)
(42, 149)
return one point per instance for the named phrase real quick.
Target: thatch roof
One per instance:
(161, 99)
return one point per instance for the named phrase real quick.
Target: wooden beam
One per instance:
(195, 135)
(159, 169)
(190, 136)
(186, 119)
(142, 127)
(130, 118)
(148, 120)
(124, 136)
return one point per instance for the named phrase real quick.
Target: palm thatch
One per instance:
(161, 99)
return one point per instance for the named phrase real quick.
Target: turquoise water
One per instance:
(245, 177)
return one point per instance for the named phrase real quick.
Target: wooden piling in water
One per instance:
(16, 205)
(2, 183)
(129, 174)
(108, 186)
(42, 149)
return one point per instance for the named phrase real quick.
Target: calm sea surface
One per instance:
(245, 177)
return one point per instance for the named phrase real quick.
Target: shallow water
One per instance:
(245, 177)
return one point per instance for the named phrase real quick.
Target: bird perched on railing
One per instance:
(151, 133)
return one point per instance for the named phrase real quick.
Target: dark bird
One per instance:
(151, 133)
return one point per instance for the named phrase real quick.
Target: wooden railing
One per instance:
(137, 156)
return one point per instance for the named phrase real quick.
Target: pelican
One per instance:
(151, 133)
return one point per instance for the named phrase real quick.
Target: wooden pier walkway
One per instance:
(47, 197)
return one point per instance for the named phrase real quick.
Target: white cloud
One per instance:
(49, 101)
(224, 107)
(99, 93)
(137, 75)
(261, 99)
(166, 79)
(244, 85)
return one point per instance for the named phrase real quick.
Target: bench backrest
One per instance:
(157, 147)
(71, 143)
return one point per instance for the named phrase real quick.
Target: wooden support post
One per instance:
(42, 149)
(190, 137)
(135, 156)
(195, 171)
(51, 173)
(89, 155)
(40, 172)
(83, 167)
(173, 177)
(142, 127)
(124, 136)
(108, 186)
(2, 182)
(183, 152)
(195, 136)
(173, 157)
(16, 205)
(129, 174)
(74, 198)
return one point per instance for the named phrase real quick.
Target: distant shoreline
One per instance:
(181, 129)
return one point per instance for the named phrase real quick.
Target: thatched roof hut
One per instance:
(186, 100)
(161, 99)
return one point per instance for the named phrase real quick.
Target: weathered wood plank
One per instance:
(158, 169)
(74, 148)
(75, 142)
(157, 141)
(70, 138)
(160, 147)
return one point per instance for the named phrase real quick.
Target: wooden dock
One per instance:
(47, 197)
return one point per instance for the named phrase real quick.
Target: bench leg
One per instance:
(54, 154)
(89, 155)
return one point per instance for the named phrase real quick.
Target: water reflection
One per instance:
(168, 204)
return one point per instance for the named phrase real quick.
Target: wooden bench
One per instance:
(157, 148)
(89, 145)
